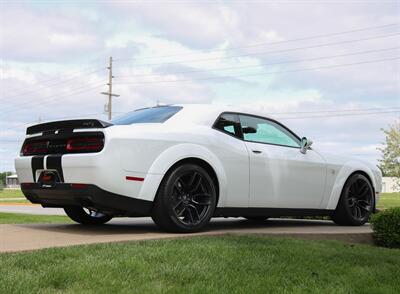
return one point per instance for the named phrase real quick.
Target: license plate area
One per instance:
(49, 178)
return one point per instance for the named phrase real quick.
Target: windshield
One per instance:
(157, 114)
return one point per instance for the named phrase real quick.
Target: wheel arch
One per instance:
(361, 172)
(344, 174)
(201, 162)
(183, 153)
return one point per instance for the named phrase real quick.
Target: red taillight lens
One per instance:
(85, 144)
(32, 148)
(79, 186)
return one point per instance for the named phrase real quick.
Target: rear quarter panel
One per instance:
(151, 150)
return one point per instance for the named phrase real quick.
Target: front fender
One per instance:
(178, 152)
(343, 174)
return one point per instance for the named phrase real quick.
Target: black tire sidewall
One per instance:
(344, 206)
(77, 214)
(166, 192)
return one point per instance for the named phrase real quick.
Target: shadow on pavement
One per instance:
(146, 225)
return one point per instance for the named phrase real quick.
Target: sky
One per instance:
(329, 70)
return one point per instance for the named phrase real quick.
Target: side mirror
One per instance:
(305, 145)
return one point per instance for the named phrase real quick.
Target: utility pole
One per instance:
(109, 93)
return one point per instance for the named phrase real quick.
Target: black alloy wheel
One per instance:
(356, 203)
(86, 216)
(186, 199)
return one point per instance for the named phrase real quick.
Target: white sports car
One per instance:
(183, 164)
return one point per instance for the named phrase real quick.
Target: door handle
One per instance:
(256, 151)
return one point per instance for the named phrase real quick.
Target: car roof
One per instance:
(206, 114)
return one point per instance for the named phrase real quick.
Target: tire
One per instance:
(79, 215)
(186, 199)
(356, 202)
(256, 218)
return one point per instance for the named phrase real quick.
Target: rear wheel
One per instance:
(186, 199)
(86, 216)
(356, 202)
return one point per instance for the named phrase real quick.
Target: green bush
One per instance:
(386, 227)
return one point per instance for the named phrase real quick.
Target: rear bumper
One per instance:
(102, 170)
(90, 196)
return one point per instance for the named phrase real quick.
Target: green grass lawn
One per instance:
(19, 218)
(11, 193)
(230, 264)
(389, 200)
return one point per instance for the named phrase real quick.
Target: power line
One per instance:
(338, 110)
(341, 115)
(271, 113)
(11, 141)
(291, 49)
(264, 64)
(49, 98)
(281, 118)
(57, 118)
(41, 82)
(53, 84)
(270, 52)
(270, 43)
(261, 74)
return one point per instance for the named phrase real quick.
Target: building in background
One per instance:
(389, 185)
(12, 182)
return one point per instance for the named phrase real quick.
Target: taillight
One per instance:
(32, 148)
(92, 144)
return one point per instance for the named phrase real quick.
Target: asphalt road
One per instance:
(38, 236)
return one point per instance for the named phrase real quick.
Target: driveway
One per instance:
(30, 209)
(38, 236)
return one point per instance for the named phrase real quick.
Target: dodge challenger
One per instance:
(184, 164)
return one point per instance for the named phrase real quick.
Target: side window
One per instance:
(265, 131)
(229, 123)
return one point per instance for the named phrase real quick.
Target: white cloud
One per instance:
(56, 41)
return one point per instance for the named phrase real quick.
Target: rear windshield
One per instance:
(157, 114)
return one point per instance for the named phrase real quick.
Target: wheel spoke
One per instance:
(195, 182)
(179, 211)
(201, 199)
(177, 204)
(179, 187)
(351, 201)
(359, 199)
(191, 197)
(359, 213)
(196, 213)
(364, 205)
(354, 187)
(363, 189)
(190, 215)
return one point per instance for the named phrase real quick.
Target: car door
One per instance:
(280, 175)
(232, 152)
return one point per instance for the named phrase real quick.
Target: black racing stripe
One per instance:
(54, 162)
(37, 163)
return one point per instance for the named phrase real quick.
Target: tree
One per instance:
(390, 162)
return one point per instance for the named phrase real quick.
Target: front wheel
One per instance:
(86, 216)
(185, 200)
(356, 202)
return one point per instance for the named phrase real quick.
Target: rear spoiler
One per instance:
(51, 127)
